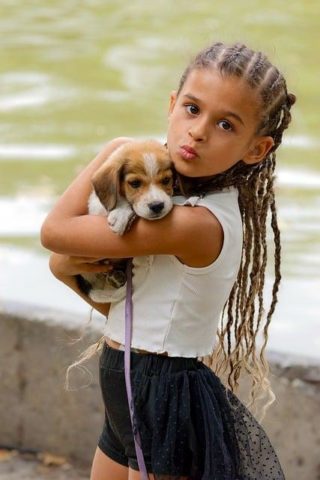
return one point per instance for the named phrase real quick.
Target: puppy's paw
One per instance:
(119, 218)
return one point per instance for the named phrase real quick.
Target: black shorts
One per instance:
(190, 425)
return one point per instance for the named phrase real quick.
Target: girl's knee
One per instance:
(104, 468)
(135, 475)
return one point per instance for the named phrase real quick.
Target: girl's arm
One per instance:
(65, 269)
(184, 232)
(74, 201)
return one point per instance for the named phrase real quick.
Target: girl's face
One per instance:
(212, 124)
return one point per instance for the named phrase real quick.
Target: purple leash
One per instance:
(128, 336)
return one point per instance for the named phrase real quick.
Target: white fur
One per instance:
(95, 207)
(120, 216)
(151, 164)
(108, 295)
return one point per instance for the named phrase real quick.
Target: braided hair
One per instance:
(244, 316)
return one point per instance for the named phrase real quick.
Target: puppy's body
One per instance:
(135, 180)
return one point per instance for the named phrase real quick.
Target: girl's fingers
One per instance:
(77, 265)
(67, 265)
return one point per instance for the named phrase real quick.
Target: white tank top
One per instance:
(177, 308)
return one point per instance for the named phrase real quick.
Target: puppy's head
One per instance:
(140, 172)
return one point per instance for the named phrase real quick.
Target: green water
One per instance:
(78, 73)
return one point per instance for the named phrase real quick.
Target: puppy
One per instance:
(135, 180)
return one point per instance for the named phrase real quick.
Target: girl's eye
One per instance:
(193, 109)
(225, 125)
(135, 183)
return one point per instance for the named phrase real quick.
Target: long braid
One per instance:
(244, 318)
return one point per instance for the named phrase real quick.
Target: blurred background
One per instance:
(76, 73)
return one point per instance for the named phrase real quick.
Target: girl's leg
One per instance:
(104, 468)
(135, 475)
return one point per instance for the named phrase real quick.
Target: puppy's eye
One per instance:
(135, 183)
(166, 180)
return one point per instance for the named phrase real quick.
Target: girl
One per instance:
(225, 123)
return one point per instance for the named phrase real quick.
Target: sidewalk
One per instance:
(37, 466)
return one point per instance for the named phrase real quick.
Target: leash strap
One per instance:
(127, 368)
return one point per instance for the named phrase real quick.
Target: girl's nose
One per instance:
(198, 132)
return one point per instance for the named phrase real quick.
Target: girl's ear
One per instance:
(172, 102)
(259, 149)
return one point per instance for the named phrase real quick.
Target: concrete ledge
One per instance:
(36, 412)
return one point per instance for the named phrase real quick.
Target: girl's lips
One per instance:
(187, 153)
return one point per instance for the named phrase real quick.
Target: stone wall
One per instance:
(36, 412)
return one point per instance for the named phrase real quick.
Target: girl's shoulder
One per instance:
(113, 144)
(226, 198)
(223, 207)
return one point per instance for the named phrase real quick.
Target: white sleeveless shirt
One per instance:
(177, 308)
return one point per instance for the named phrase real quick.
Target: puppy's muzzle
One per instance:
(156, 207)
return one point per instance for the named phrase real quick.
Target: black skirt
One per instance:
(191, 426)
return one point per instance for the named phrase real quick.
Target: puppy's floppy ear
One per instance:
(106, 180)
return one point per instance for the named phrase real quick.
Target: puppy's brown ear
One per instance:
(106, 180)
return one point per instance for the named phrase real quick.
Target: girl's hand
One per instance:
(66, 265)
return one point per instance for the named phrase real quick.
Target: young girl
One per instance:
(203, 263)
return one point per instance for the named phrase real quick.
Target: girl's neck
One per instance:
(233, 177)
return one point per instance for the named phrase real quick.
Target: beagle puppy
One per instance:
(135, 180)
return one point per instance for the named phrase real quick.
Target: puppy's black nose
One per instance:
(156, 207)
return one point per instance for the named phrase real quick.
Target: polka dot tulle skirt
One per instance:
(192, 427)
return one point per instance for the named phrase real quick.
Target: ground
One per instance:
(38, 466)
